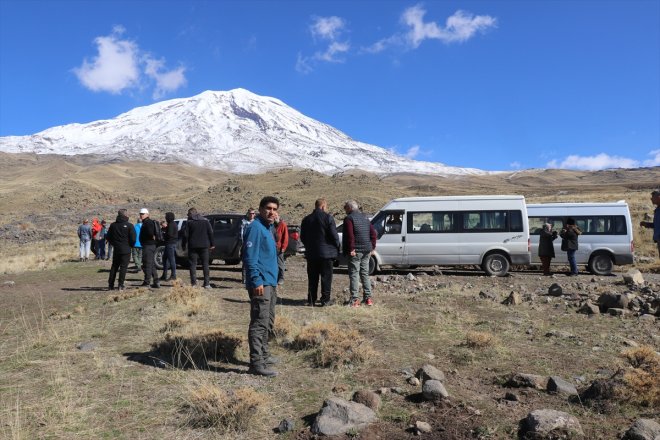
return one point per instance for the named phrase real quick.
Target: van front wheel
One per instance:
(495, 265)
(600, 264)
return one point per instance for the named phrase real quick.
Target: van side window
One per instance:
(589, 225)
(430, 222)
(491, 221)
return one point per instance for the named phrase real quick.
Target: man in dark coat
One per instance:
(569, 243)
(149, 243)
(121, 235)
(198, 238)
(358, 243)
(546, 248)
(171, 237)
(319, 235)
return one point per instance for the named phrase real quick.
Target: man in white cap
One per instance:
(149, 242)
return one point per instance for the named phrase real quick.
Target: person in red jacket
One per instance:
(281, 235)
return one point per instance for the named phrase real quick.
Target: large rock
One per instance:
(519, 380)
(643, 429)
(559, 386)
(549, 424)
(634, 277)
(588, 308)
(338, 416)
(434, 390)
(367, 398)
(610, 300)
(429, 372)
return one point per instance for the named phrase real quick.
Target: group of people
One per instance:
(93, 240)
(569, 243)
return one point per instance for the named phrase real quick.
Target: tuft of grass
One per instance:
(209, 406)
(126, 294)
(173, 323)
(196, 349)
(476, 339)
(333, 347)
(183, 295)
(284, 326)
(642, 379)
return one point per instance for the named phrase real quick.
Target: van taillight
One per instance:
(529, 245)
(295, 235)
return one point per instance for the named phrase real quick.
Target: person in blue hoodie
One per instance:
(260, 260)
(136, 251)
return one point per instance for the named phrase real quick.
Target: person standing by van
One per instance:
(136, 251)
(569, 243)
(149, 242)
(171, 235)
(655, 224)
(198, 238)
(85, 236)
(122, 236)
(358, 243)
(546, 248)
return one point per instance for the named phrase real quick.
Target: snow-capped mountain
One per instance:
(235, 131)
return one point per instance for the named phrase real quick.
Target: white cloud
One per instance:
(412, 152)
(120, 65)
(330, 55)
(515, 165)
(303, 64)
(655, 161)
(114, 69)
(458, 28)
(327, 28)
(166, 81)
(592, 163)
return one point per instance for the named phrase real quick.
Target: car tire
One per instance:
(232, 261)
(373, 265)
(600, 264)
(496, 265)
(159, 257)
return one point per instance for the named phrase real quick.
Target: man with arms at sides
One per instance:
(358, 242)
(149, 243)
(260, 259)
(122, 236)
(318, 233)
(199, 241)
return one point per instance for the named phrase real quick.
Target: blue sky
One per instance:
(496, 85)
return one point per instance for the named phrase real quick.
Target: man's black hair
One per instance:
(269, 199)
(192, 211)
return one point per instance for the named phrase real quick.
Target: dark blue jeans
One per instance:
(169, 260)
(570, 254)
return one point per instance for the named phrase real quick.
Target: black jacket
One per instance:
(319, 235)
(199, 233)
(569, 238)
(121, 235)
(546, 248)
(171, 234)
(148, 232)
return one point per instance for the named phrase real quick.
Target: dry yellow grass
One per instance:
(209, 406)
(15, 258)
(284, 326)
(642, 379)
(476, 339)
(183, 294)
(195, 348)
(332, 346)
(127, 294)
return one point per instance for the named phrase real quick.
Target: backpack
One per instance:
(158, 231)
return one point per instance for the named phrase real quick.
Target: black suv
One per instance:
(227, 240)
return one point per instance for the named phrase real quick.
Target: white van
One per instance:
(606, 238)
(489, 231)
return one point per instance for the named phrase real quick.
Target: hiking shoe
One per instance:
(144, 284)
(208, 286)
(163, 278)
(369, 302)
(328, 303)
(122, 288)
(272, 360)
(261, 370)
(355, 303)
(155, 286)
(111, 287)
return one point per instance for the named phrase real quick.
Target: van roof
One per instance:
(619, 204)
(457, 198)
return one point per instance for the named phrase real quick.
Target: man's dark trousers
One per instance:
(262, 316)
(119, 261)
(203, 255)
(150, 271)
(319, 267)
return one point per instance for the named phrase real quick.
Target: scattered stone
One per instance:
(429, 372)
(643, 429)
(430, 356)
(87, 346)
(398, 390)
(9, 284)
(514, 299)
(589, 308)
(551, 424)
(608, 301)
(484, 294)
(555, 290)
(383, 391)
(408, 371)
(413, 381)
(559, 386)
(340, 388)
(434, 390)
(410, 277)
(285, 425)
(338, 416)
(559, 334)
(633, 277)
(616, 312)
(423, 427)
(513, 397)
(630, 343)
(520, 380)
(367, 398)
(646, 318)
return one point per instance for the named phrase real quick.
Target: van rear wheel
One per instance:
(373, 265)
(495, 265)
(600, 264)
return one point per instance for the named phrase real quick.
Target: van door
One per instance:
(431, 238)
(390, 229)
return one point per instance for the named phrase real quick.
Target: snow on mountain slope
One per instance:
(235, 131)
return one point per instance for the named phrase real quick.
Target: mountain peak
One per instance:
(235, 131)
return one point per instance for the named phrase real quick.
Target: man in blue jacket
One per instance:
(260, 260)
(655, 224)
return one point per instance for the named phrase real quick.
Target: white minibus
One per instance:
(489, 231)
(606, 238)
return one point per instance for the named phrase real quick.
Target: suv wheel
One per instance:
(159, 256)
(495, 265)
